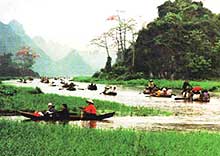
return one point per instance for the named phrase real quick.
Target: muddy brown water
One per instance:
(155, 123)
(186, 115)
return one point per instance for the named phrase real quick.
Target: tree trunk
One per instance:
(106, 47)
(118, 43)
(108, 65)
(121, 43)
(125, 33)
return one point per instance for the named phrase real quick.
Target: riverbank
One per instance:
(28, 99)
(141, 83)
(37, 139)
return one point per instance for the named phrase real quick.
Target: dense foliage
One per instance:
(8, 67)
(25, 139)
(183, 42)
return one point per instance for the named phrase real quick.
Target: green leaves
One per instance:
(162, 49)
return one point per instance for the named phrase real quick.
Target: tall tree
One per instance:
(25, 58)
(103, 42)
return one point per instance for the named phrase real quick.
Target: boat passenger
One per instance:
(51, 110)
(164, 92)
(90, 110)
(64, 113)
(205, 97)
(158, 93)
(114, 89)
(71, 87)
(105, 90)
(151, 85)
(186, 88)
(109, 90)
(92, 86)
(169, 91)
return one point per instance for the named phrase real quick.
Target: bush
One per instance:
(37, 90)
(131, 76)
(96, 74)
(119, 69)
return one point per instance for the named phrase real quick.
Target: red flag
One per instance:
(22, 52)
(113, 17)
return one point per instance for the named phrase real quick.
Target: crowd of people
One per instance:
(153, 90)
(195, 93)
(188, 91)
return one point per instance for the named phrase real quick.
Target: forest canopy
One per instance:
(182, 43)
(18, 65)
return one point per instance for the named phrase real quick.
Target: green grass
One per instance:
(24, 100)
(175, 84)
(3, 78)
(26, 139)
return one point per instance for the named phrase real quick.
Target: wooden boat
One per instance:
(33, 116)
(188, 99)
(164, 96)
(110, 93)
(92, 87)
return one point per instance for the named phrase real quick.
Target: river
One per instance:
(186, 115)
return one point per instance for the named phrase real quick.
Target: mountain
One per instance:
(55, 50)
(67, 62)
(73, 64)
(13, 38)
(10, 42)
(97, 59)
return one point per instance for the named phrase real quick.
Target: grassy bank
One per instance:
(25, 139)
(27, 99)
(175, 84)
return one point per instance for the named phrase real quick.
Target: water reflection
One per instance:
(152, 123)
(89, 124)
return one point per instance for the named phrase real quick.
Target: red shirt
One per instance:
(90, 109)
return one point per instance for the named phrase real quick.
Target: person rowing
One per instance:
(151, 88)
(186, 88)
(90, 109)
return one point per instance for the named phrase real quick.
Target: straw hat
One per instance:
(50, 104)
(89, 101)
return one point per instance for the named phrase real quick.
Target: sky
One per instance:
(76, 22)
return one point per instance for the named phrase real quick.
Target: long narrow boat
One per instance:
(110, 93)
(32, 116)
(187, 99)
(163, 96)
